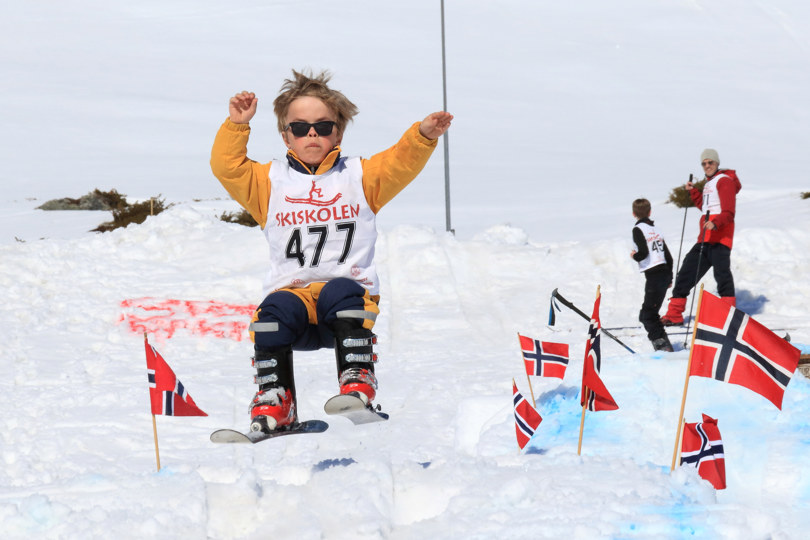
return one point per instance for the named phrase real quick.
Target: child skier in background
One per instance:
(317, 210)
(655, 261)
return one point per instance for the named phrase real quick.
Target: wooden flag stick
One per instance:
(531, 390)
(154, 421)
(157, 452)
(686, 384)
(582, 420)
(587, 390)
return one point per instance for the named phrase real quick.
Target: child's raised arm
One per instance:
(435, 124)
(242, 107)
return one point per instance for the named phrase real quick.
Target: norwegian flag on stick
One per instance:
(168, 395)
(702, 448)
(527, 419)
(730, 346)
(544, 358)
(594, 395)
(166, 392)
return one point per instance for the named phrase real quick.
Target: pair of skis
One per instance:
(347, 405)
(556, 296)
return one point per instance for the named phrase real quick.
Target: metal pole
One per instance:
(697, 280)
(449, 227)
(683, 229)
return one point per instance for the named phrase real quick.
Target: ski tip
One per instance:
(229, 436)
(343, 403)
(354, 408)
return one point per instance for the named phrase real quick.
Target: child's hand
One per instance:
(242, 107)
(435, 124)
(632, 254)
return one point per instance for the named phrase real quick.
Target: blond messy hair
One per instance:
(307, 84)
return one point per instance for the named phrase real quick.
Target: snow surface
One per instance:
(565, 113)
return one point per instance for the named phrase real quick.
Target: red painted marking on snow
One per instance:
(202, 317)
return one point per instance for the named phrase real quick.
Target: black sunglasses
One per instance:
(301, 129)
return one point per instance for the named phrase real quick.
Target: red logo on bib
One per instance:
(312, 198)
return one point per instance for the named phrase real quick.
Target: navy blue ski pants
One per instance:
(303, 321)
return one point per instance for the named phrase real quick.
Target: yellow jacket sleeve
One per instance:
(387, 173)
(247, 181)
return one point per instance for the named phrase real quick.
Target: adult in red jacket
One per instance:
(713, 249)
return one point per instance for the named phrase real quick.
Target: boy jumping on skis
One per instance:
(317, 210)
(655, 261)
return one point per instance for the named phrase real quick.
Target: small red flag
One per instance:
(527, 419)
(702, 448)
(167, 393)
(544, 359)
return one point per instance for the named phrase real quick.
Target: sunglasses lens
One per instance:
(301, 129)
(323, 128)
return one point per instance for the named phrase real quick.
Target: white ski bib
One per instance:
(319, 227)
(655, 247)
(711, 199)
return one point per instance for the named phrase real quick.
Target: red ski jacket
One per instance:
(719, 196)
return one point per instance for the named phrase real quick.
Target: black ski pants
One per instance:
(697, 262)
(657, 281)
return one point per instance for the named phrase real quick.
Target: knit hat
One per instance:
(710, 154)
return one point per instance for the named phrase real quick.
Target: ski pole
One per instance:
(683, 228)
(556, 294)
(697, 277)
